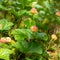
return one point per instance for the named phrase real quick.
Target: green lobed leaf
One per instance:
(35, 48)
(28, 23)
(21, 34)
(5, 24)
(29, 48)
(42, 36)
(28, 59)
(5, 53)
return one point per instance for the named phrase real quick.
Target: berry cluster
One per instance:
(5, 40)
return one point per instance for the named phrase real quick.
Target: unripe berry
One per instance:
(34, 28)
(53, 37)
(33, 11)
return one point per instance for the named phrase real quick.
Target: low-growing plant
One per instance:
(27, 29)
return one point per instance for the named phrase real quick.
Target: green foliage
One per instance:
(5, 24)
(42, 36)
(5, 53)
(16, 20)
(21, 34)
(30, 48)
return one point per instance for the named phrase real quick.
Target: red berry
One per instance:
(58, 13)
(3, 40)
(34, 28)
(8, 39)
(33, 11)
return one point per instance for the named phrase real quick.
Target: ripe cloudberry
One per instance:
(34, 28)
(3, 40)
(58, 13)
(33, 11)
(8, 39)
